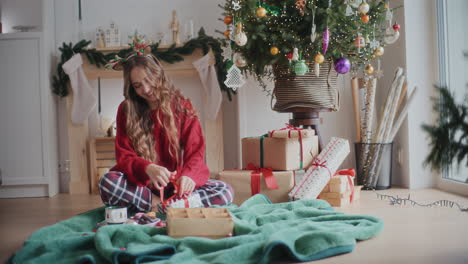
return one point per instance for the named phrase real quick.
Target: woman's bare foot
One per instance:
(155, 200)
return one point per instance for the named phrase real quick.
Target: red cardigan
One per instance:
(191, 141)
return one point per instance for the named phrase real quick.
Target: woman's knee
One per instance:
(111, 177)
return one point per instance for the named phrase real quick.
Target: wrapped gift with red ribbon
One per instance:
(289, 148)
(184, 200)
(340, 190)
(322, 169)
(274, 184)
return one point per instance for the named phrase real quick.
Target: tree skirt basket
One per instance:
(308, 91)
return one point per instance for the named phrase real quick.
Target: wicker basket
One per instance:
(307, 90)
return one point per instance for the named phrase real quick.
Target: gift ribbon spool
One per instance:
(116, 214)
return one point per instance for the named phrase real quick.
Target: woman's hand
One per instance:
(159, 175)
(186, 185)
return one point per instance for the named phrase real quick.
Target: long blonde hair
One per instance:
(139, 123)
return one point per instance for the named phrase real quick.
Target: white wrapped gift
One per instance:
(322, 170)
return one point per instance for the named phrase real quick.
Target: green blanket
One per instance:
(303, 230)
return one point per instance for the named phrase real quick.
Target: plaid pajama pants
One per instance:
(115, 190)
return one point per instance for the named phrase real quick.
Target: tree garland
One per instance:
(172, 55)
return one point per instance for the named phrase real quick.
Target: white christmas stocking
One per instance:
(83, 97)
(209, 79)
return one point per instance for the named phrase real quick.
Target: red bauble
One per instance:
(396, 27)
(289, 56)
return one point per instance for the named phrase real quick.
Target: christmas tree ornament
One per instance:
(289, 56)
(227, 33)
(274, 50)
(342, 65)
(373, 44)
(365, 18)
(349, 11)
(359, 42)
(396, 27)
(227, 20)
(319, 58)
(317, 69)
(234, 78)
(379, 51)
(326, 40)
(300, 67)
(261, 12)
(300, 5)
(369, 69)
(236, 5)
(239, 60)
(355, 3)
(313, 31)
(363, 8)
(295, 56)
(240, 37)
(388, 16)
(391, 36)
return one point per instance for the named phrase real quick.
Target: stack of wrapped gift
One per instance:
(270, 162)
(340, 190)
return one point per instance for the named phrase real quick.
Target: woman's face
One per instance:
(141, 83)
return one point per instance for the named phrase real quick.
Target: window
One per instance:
(452, 35)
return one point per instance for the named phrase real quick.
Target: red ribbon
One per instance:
(255, 177)
(350, 173)
(290, 128)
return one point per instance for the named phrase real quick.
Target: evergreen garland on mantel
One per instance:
(171, 55)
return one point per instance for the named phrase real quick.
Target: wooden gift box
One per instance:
(240, 181)
(200, 222)
(280, 154)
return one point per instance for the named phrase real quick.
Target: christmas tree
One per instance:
(348, 33)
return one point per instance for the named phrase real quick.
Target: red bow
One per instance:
(255, 176)
(288, 127)
(349, 173)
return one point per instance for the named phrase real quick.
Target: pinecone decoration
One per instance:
(300, 5)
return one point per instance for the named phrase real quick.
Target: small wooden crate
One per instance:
(101, 158)
(201, 222)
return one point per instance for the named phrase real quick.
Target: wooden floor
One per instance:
(411, 234)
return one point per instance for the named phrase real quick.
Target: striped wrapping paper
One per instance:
(322, 169)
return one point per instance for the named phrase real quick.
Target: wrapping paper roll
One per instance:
(322, 170)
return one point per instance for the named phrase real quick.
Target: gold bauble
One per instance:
(274, 50)
(369, 69)
(379, 51)
(261, 12)
(319, 58)
(227, 20)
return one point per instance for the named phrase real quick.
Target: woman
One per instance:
(159, 143)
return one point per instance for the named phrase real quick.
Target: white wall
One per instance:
(20, 12)
(395, 56)
(421, 60)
